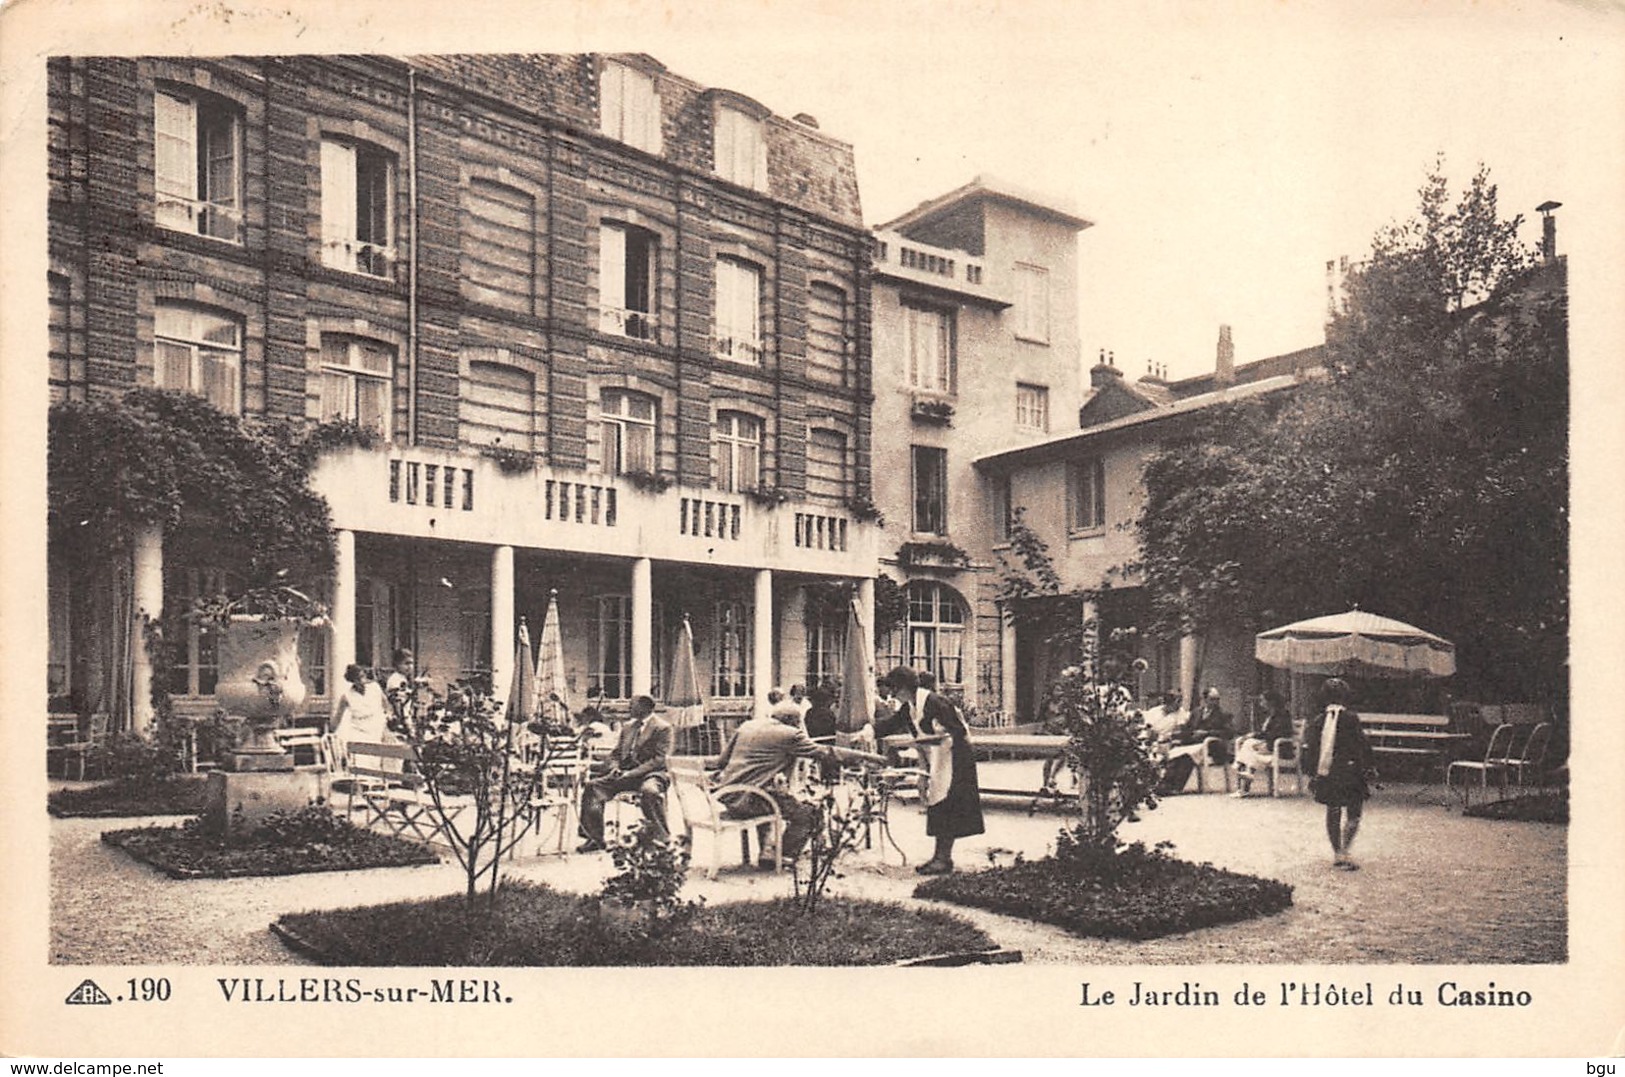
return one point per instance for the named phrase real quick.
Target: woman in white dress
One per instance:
(363, 715)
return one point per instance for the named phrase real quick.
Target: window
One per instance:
(498, 256)
(382, 612)
(60, 298)
(1086, 494)
(929, 344)
(358, 222)
(934, 638)
(197, 350)
(610, 660)
(1032, 303)
(741, 153)
(826, 647)
(498, 405)
(358, 378)
(194, 669)
(738, 452)
(629, 107)
(930, 490)
(313, 659)
(626, 269)
(739, 311)
(730, 661)
(999, 506)
(826, 465)
(197, 172)
(826, 334)
(627, 421)
(474, 634)
(1032, 406)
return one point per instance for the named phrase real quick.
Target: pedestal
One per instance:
(257, 794)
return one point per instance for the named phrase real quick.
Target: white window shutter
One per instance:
(612, 268)
(338, 192)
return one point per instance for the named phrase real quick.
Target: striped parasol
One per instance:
(552, 693)
(685, 699)
(1357, 644)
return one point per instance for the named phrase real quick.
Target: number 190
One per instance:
(149, 989)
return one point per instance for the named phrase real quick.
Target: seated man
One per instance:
(761, 750)
(638, 765)
(1256, 753)
(1208, 720)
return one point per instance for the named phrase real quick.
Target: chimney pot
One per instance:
(1548, 231)
(1224, 371)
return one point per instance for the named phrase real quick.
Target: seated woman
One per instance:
(1255, 754)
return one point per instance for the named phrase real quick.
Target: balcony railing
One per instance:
(466, 497)
(740, 350)
(940, 267)
(210, 219)
(355, 256)
(637, 324)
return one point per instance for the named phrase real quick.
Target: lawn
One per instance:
(178, 796)
(1539, 808)
(1133, 893)
(532, 925)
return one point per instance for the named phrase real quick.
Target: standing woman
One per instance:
(958, 813)
(363, 714)
(1335, 746)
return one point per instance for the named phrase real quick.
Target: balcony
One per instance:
(357, 256)
(637, 324)
(465, 497)
(937, 268)
(211, 219)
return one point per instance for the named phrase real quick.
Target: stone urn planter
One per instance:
(260, 682)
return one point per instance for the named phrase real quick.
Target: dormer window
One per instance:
(197, 170)
(741, 151)
(629, 106)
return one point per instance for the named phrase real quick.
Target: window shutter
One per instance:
(338, 192)
(175, 169)
(612, 268)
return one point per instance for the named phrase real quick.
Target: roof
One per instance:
(986, 188)
(1059, 445)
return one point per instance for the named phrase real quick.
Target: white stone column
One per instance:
(1007, 665)
(147, 592)
(341, 642)
(502, 642)
(642, 626)
(761, 655)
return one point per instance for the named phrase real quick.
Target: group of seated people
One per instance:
(1208, 735)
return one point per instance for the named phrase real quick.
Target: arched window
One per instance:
(934, 637)
(738, 451)
(498, 405)
(627, 421)
(200, 351)
(358, 379)
(498, 257)
(197, 164)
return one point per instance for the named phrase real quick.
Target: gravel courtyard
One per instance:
(1434, 888)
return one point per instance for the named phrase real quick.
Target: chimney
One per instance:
(806, 120)
(1548, 231)
(1105, 371)
(1155, 373)
(1224, 371)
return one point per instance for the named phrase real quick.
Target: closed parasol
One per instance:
(857, 708)
(685, 701)
(552, 693)
(1357, 644)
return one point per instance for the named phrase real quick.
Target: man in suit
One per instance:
(638, 764)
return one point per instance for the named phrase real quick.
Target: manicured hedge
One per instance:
(184, 852)
(178, 796)
(1133, 893)
(532, 925)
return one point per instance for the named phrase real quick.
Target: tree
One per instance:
(1425, 476)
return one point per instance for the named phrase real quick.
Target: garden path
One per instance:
(1435, 888)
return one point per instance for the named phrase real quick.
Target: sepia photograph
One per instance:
(1071, 509)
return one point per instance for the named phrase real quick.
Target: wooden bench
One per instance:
(1428, 739)
(384, 777)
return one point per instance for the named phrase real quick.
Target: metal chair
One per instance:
(1495, 754)
(83, 744)
(1533, 758)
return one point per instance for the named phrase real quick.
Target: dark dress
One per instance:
(1351, 759)
(959, 814)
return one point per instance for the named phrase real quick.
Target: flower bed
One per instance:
(535, 926)
(179, 796)
(1542, 808)
(1134, 893)
(286, 846)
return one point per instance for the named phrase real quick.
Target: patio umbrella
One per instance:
(857, 707)
(551, 691)
(1357, 644)
(522, 689)
(685, 700)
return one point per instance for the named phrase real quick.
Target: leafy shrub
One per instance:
(532, 925)
(313, 824)
(650, 873)
(185, 852)
(1129, 892)
(134, 761)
